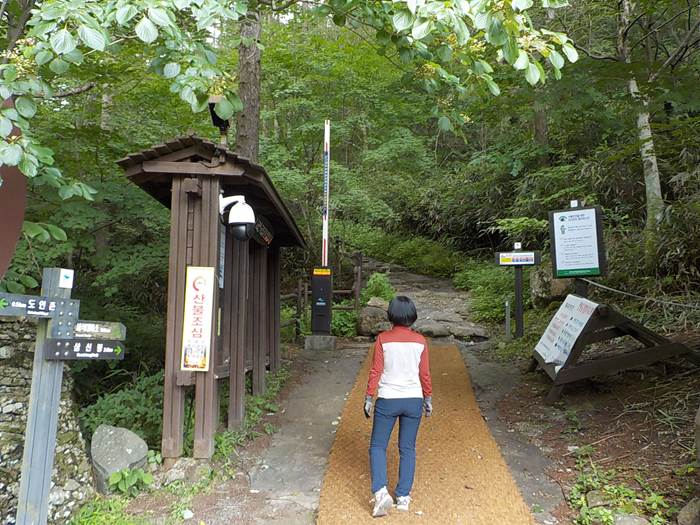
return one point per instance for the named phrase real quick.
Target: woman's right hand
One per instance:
(368, 406)
(428, 406)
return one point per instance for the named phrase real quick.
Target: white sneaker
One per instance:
(402, 503)
(382, 503)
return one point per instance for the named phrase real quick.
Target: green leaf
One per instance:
(554, 4)
(5, 127)
(28, 281)
(126, 13)
(339, 19)
(402, 20)
(510, 50)
(422, 28)
(5, 92)
(495, 34)
(522, 61)
(159, 16)
(74, 57)
(114, 478)
(236, 101)
(14, 287)
(461, 31)
(444, 123)
(182, 4)
(10, 73)
(62, 42)
(444, 53)
(146, 31)
(32, 229)
(28, 166)
(556, 59)
(122, 486)
(59, 66)
(147, 478)
(43, 57)
(521, 5)
(570, 52)
(11, 155)
(93, 38)
(493, 87)
(171, 70)
(532, 75)
(56, 232)
(65, 192)
(412, 5)
(224, 109)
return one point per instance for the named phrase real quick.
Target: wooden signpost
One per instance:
(60, 336)
(517, 259)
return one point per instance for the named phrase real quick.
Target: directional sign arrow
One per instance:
(100, 330)
(83, 349)
(17, 305)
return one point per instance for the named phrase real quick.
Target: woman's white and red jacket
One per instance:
(400, 365)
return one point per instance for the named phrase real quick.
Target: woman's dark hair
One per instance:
(402, 311)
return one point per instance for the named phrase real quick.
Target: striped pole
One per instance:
(326, 189)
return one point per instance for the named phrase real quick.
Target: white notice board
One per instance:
(564, 329)
(577, 244)
(196, 328)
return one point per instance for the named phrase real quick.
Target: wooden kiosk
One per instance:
(188, 175)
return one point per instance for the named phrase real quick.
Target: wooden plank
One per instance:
(273, 305)
(174, 395)
(603, 335)
(206, 388)
(42, 420)
(611, 365)
(190, 168)
(260, 319)
(238, 277)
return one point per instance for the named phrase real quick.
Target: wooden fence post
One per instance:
(42, 419)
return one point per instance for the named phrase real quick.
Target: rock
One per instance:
(690, 514)
(431, 328)
(378, 302)
(468, 331)
(372, 320)
(630, 519)
(597, 498)
(697, 435)
(71, 485)
(544, 288)
(449, 317)
(114, 449)
(187, 514)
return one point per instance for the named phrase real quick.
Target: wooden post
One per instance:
(519, 310)
(300, 309)
(42, 419)
(357, 285)
(206, 227)
(259, 311)
(237, 286)
(273, 304)
(174, 395)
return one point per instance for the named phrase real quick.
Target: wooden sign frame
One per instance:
(607, 323)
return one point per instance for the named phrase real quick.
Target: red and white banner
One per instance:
(196, 328)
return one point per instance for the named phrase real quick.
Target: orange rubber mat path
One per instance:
(461, 477)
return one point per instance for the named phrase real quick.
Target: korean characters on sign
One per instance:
(196, 330)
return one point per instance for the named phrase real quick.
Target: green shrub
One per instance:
(106, 511)
(490, 286)
(138, 407)
(344, 322)
(130, 482)
(378, 285)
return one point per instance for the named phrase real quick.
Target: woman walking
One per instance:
(400, 376)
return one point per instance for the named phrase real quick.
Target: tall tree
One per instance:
(248, 120)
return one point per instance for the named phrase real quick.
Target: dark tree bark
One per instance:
(248, 120)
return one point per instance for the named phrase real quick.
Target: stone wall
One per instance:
(72, 478)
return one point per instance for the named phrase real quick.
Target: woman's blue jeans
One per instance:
(386, 411)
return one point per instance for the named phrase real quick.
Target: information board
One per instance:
(196, 329)
(564, 329)
(517, 258)
(577, 242)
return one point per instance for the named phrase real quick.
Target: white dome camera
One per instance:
(238, 214)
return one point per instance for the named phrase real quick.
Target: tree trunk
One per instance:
(541, 131)
(248, 120)
(652, 178)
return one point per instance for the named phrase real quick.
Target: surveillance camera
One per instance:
(241, 217)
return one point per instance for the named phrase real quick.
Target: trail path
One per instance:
(282, 483)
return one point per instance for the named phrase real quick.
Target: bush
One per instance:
(138, 407)
(344, 322)
(378, 285)
(490, 286)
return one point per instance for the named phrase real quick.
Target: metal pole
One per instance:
(581, 288)
(326, 189)
(42, 419)
(508, 327)
(519, 321)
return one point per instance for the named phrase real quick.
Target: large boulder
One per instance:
(373, 318)
(545, 289)
(468, 331)
(114, 449)
(630, 519)
(690, 514)
(431, 328)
